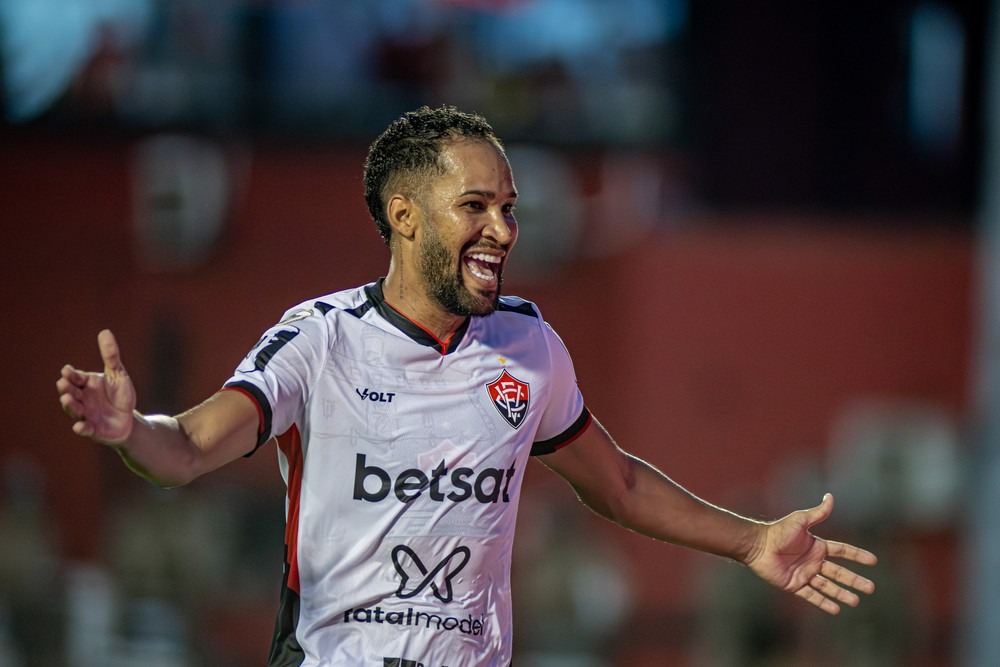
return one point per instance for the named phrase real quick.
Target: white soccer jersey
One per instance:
(404, 457)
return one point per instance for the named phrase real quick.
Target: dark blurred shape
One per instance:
(844, 106)
(827, 103)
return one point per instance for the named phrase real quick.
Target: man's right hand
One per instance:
(100, 404)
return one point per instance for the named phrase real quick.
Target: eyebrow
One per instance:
(488, 194)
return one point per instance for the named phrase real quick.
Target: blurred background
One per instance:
(767, 231)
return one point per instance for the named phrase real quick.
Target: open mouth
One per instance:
(484, 267)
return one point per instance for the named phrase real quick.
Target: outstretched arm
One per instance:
(168, 451)
(636, 495)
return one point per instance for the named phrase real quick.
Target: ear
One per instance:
(403, 213)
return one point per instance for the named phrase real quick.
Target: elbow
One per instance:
(173, 480)
(614, 502)
(179, 474)
(610, 507)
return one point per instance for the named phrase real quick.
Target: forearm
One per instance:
(159, 450)
(634, 494)
(652, 504)
(171, 451)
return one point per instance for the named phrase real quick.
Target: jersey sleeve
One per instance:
(566, 416)
(279, 371)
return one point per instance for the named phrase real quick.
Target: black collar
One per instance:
(376, 300)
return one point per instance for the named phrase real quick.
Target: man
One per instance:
(405, 412)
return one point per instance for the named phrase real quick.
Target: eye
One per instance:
(508, 209)
(475, 205)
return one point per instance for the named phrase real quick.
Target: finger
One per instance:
(832, 590)
(83, 428)
(71, 390)
(66, 386)
(73, 376)
(850, 552)
(110, 353)
(817, 599)
(71, 406)
(842, 575)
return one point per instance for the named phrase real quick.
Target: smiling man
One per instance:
(448, 217)
(405, 412)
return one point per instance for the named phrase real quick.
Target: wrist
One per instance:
(754, 544)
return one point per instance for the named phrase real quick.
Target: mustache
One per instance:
(487, 246)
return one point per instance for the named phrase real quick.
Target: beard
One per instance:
(446, 285)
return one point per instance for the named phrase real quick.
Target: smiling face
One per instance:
(468, 228)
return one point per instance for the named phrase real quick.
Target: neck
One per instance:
(410, 298)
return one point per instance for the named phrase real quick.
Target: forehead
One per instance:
(477, 162)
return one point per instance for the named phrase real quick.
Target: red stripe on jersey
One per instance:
(290, 444)
(260, 410)
(588, 420)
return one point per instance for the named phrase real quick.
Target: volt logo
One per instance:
(510, 397)
(374, 396)
(405, 560)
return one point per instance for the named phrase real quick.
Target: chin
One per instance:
(476, 303)
(480, 302)
(487, 310)
(484, 308)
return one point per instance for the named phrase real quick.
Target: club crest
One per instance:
(510, 397)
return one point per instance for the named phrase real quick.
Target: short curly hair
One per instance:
(408, 151)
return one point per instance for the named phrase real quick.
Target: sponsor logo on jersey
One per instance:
(510, 397)
(417, 575)
(367, 394)
(373, 483)
(408, 564)
(410, 617)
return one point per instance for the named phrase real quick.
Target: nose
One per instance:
(502, 228)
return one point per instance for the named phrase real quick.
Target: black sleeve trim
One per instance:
(524, 308)
(263, 409)
(549, 446)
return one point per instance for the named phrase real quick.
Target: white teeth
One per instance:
(483, 257)
(483, 265)
(479, 273)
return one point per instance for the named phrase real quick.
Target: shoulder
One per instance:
(515, 316)
(521, 319)
(327, 306)
(313, 323)
(518, 306)
(523, 315)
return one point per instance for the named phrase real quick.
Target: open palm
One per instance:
(795, 560)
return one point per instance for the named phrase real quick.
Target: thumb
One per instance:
(821, 512)
(109, 353)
